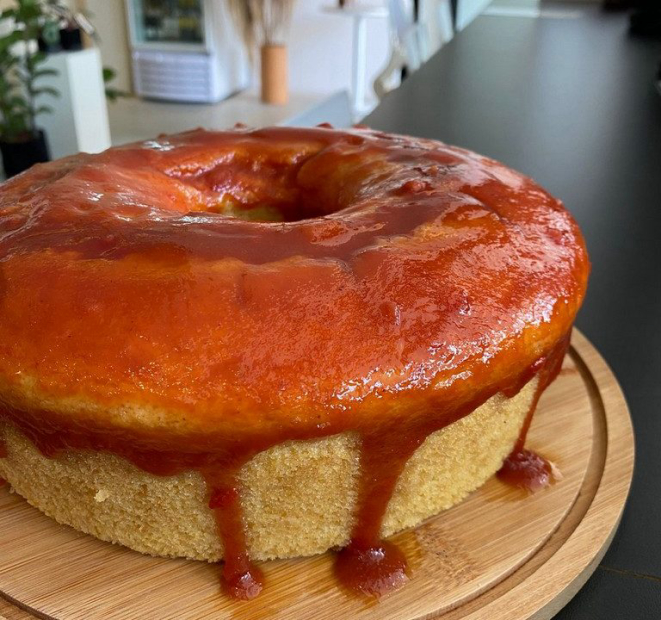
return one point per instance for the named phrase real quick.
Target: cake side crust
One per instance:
(298, 497)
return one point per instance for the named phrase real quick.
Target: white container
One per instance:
(186, 51)
(79, 121)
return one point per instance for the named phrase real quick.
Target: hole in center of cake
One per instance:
(264, 211)
(265, 190)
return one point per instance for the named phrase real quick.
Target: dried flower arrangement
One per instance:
(263, 24)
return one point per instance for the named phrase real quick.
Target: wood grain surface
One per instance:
(501, 554)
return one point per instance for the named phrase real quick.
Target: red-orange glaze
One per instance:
(523, 468)
(384, 456)
(241, 578)
(527, 470)
(373, 570)
(408, 283)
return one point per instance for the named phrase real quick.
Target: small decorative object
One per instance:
(64, 31)
(22, 143)
(71, 24)
(63, 28)
(263, 24)
(273, 67)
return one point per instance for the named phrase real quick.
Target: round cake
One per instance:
(268, 343)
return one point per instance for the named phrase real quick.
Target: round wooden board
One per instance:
(500, 554)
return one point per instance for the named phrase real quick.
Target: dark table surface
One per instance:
(572, 103)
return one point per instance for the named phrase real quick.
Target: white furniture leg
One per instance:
(359, 63)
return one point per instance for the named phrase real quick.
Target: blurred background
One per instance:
(80, 75)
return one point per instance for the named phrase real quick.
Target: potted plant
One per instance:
(70, 25)
(22, 143)
(263, 24)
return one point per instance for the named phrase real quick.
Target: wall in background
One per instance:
(319, 45)
(109, 18)
(320, 49)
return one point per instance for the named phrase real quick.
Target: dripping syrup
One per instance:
(368, 565)
(523, 468)
(527, 470)
(241, 579)
(373, 570)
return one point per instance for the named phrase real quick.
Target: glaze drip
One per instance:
(524, 468)
(527, 470)
(368, 565)
(241, 578)
(407, 283)
(373, 570)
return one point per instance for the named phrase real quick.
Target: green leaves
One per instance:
(9, 40)
(112, 93)
(50, 32)
(28, 11)
(45, 90)
(44, 72)
(19, 68)
(7, 13)
(32, 60)
(108, 74)
(17, 102)
(13, 126)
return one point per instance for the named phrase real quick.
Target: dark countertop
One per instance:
(572, 103)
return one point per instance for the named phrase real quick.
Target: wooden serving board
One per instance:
(501, 554)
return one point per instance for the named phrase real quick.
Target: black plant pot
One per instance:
(19, 156)
(71, 39)
(48, 48)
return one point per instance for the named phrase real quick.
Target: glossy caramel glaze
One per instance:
(524, 468)
(145, 314)
(527, 470)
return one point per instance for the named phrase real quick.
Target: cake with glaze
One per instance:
(270, 343)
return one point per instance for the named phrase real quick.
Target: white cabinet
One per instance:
(79, 121)
(185, 50)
